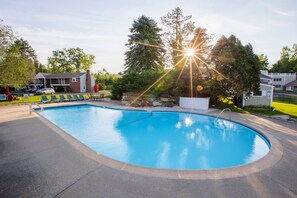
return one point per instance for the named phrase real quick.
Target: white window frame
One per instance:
(74, 80)
(252, 94)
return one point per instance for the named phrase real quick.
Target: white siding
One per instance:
(92, 83)
(265, 99)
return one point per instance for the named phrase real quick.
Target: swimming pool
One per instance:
(167, 140)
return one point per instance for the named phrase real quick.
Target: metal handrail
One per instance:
(226, 109)
(30, 107)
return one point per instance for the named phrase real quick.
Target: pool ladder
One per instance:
(226, 109)
(30, 107)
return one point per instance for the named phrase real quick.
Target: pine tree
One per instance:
(141, 57)
(180, 27)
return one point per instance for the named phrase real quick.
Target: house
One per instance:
(279, 80)
(262, 97)
(74, 82)
(292, 86)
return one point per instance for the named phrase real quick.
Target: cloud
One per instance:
(46, 34)
(280, 12)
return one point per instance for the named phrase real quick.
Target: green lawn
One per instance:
(276, 109)
(289, 109)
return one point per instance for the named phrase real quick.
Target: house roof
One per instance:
(292, 84)
(264, 76)
(65, 75)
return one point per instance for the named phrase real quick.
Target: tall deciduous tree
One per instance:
(180, 27)
(6, 39)
(15, 69)
(70, 60)
(141, 57)
(264, 62)
(238, 66)
(287, 62)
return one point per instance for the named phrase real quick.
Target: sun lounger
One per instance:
(69, 97)
(81, 97)
(54, 99)
(63, 99)
(75, 97)
(44, 99)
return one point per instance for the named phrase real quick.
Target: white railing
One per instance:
(30, 107)
(226, 109)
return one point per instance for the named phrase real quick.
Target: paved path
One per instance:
(36, 162)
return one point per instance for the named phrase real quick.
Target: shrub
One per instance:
(134, 82)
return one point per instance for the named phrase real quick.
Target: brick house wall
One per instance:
(75, 86)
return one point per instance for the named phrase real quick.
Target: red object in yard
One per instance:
(96, 88)
(7, 92)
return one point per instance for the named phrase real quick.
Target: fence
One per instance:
(286, 98)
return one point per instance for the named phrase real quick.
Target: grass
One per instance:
(289, 109)
(30, 99)
(278, 108)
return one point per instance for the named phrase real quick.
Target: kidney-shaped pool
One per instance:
(167, 140)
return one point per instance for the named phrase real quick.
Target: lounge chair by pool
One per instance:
(63, 99)
(69, 97)
(81, 97)
(54, 99)
(75, 97)
(44, 99)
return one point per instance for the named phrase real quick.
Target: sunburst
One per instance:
(189, 54)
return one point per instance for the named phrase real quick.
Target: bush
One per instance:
(134, 82)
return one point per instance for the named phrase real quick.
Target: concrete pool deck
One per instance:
(35, 161)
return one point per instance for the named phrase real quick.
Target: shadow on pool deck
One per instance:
(36, 162)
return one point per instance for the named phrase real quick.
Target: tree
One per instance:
(105, 79)
(237, 67)
(180, 27)
(134, 82)
(263, 61)
(70, 60)
(287, 62)
(141, 57)
(15, 68)
(28, 52)
(6, 39)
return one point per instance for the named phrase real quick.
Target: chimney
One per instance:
(88, 83)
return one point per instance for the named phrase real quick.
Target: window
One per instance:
(277, 79)
(277, 86)
(74, 79)
(257, 93)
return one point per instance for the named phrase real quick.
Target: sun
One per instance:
(190, 52)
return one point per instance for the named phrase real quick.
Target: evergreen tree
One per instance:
(142, 57)
(180, 27)
(28, 53)
(202, 46)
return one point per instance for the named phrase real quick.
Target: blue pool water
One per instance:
(169, 140)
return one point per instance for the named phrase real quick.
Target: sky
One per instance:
(102, 27)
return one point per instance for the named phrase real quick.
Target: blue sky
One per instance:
(102, 27)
